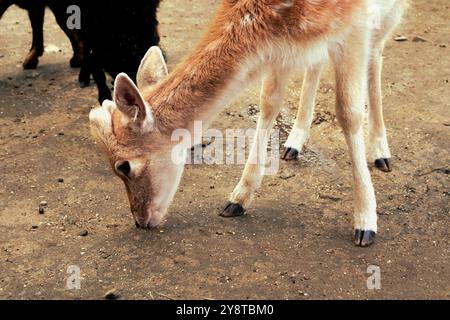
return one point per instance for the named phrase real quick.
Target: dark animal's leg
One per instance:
(36, 14)
(104, 93)
(59, 10)
(84, 76)
(78, 50)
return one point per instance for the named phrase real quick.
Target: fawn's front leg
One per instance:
(303, 121)
(271, 100)
(350, 65)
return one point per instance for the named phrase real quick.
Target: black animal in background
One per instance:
(113, 38)
(36, 13)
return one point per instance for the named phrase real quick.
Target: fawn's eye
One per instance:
(123, 168)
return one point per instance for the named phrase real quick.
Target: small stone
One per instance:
(219, 233)
(43, 204)
(34, 226)
(112, 295)
(60, 180)
(41, 210)
(286, 174)
(419, 39)
(400, 38)
(83, 233)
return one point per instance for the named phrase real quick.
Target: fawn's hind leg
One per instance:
(378, 144)
(350, 63)
(300, 131)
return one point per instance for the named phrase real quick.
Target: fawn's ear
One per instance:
(130, 102)
(153, 68)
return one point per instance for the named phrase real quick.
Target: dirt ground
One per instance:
(296, 241)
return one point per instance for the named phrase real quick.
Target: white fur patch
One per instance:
(297, 138)
(364, 198)
(378, 147)
(149, 123)
(298, 57)
(100, 118)
(246, 20)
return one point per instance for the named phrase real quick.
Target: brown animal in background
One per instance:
(36, 13)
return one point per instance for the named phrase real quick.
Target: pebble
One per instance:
(34, 226)
(41, 210)
(43, 204)
(419, 39)
(83, 233)
(286, 174)
(112, 295)
(401, 38)
(52, 48)
(61, 180)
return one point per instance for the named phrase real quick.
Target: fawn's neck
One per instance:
(196, 91)
(199, 87)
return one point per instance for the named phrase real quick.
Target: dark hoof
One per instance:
(84, 84)
(290, 154)
(383, 164)
(30, 64)
(364, 238)
(232, 210)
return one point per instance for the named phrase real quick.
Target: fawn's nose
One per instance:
(150, 218)
(142, 222)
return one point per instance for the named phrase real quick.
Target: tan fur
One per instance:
(247, 40)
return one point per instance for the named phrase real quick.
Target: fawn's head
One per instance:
(138, 153)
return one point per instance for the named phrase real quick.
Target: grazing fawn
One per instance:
(247, 40)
